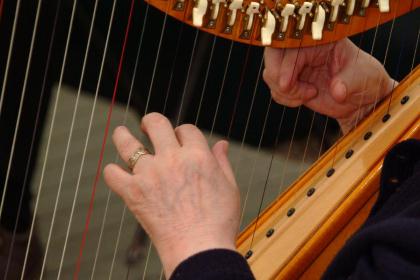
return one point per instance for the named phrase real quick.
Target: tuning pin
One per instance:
(304, 10)
(233, 8)
(215, 7)
(253, 8)
(287, 11)
(179, 5)
(383, 6)
(350, 5)
(198, 12)
(318, 23)
(268, 28)
(363, 6)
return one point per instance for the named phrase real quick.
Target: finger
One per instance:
(160, 131)
(117, 179)
(126, 143)
(291, 66)
(272, 62)
(220, 152)
(301, 93)
(190, 136)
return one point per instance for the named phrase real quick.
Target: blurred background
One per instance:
(55, 104)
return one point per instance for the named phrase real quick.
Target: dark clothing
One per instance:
(386, 247)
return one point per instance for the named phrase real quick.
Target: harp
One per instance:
(298, 233)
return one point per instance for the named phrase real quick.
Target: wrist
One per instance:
(348, 123)
(173, 252)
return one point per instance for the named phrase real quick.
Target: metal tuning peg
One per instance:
(350, 5)
(383, 6)
(304, 10)
(179, 5)
(215, 7)
(267, 30)
(253, 8)
(363, 6)
(318, 23)
(233, 8)
(198, 12)
(287, 11)
(335, 9)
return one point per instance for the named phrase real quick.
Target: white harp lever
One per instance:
(253, 8)
(335, 8)
(215, 7)
(234, 7)
(288, 10)
(268, 28)
(318, 23)
(350, 7)
(303, 11)
(365, 4)
(383, 6)
(199, 11)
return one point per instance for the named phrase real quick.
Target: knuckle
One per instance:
(186, 128)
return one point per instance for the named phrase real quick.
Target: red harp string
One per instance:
(104, 140)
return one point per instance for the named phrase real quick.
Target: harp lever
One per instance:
(215, 7)
(349, 11)
(365, 4)
(234, 6)
(252, 9)
(318, 23)
(304, 10)
(268, 28)
(288, 10)
(198, 12)
(335, 8)
(383, 6)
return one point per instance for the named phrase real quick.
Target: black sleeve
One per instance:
(220, 264)
(388, 245)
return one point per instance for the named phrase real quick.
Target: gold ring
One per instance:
(136, 155)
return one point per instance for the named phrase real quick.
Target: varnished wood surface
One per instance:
(272, 256)
(341, 30)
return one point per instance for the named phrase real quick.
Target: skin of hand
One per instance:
(185, 195)
(338, 80)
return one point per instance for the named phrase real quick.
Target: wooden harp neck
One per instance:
(284, 24)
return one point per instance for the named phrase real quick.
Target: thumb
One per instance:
(220, 151)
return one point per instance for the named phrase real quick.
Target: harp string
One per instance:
(58, 93)
(415, 50)
(23, 94)
(188, 77)
(99, 168)
(205, 81)
(25, 180)
(238, 91)
(111, 21)
(171, 76)
(117, 159)
(9, 56)
(69, 137)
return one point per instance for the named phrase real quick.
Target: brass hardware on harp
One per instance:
(233, 8)
(252, 10)
(179, 5)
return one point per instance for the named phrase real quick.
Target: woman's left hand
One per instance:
(185, 195)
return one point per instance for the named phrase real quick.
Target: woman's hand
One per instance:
(338, 80)
(185, 195)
